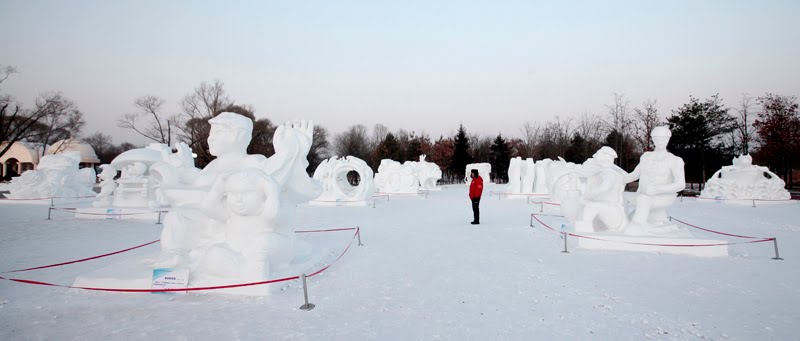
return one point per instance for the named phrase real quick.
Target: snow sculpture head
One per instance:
(230, 133)
(247, 192)
(660, 135)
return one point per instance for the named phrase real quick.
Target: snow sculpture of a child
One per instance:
(603, 206)
(248, 247)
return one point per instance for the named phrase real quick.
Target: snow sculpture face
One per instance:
(661, 135)
(229, 133)
(242, 197)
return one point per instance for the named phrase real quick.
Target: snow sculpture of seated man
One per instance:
(661, 177)
(188, 225)
(107, 186)
(249, 247)
(744, 180)
(603, 207)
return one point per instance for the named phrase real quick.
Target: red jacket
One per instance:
(476, 187)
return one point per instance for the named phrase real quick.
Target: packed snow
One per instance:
(424, 273)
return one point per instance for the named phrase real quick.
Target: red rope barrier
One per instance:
(71, 209)
(48, 198)
(27, 281)
(84, 259)
(712, 231)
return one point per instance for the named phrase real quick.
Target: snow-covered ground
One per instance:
(424, 273)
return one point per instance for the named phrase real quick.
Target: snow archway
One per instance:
(345, 180)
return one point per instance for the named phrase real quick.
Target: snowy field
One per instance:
(424, 273)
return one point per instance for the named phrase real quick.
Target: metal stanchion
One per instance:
(49, 209)
(159, 217)
(373, 203)
(307, 306)
(541, 207)
(358, 233)
(565, 243)
(775, 243)
(531, 225)
(754, 202)
(52, 201)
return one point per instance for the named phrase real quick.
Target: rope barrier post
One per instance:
(531, 224)
(307, 306)
(541, 207)
(754, 202)
(373, 203)
(775, 243)
(49, 209)
(565, 242)
(52, 202)
(358, 233)
(159, 217)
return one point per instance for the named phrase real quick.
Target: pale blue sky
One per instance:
(416, 65)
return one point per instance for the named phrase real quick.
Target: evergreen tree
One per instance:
(389, 148)
(697, 128)
(500, 157)
(461, 157)
(778, 126)
(578, 150)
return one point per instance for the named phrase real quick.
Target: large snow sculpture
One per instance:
(744, 180)
(337, 188)
(56, 176)
(429, 174)
(661, 177)
(521, 176)
(540, 182)
(396, 178)
(199, 218)
(602, 207)
(484, 169)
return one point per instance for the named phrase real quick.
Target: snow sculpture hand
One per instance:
(294, 137)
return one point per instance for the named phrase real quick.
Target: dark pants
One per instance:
(476, 212)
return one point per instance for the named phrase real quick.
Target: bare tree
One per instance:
(530, 134)
(744, 133)
(619, 123)
(353, 141)
(53, 118)
(319, 149)
(6, 71)
(203, 103)
(155, 127)
(555, 139)
(102, 145)
(645, 119)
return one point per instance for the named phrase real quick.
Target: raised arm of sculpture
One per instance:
(292, 142)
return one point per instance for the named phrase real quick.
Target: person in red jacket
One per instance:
(475, 191)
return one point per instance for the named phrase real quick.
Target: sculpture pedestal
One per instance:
(635, 243)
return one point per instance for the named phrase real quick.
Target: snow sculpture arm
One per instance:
(292, 141)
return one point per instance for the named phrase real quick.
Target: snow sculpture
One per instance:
(199, 219)
(429, 174)
(540, 182)
(393, 177)
(744, 180)
(484, 170)
(248, 248)
(56, 176)
(560, 179)
(336, 187)
(514, 185)
(602, 207)
(661, 176)
(521, 176)
(107, 186)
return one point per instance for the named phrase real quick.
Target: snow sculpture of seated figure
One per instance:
(107, 186)
(603, 207)
(744, 180)
(661, 177)
(189, 225)
(429, 173)
(248, 248)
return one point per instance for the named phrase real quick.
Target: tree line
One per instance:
(706, 133)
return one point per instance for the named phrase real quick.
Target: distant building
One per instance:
(24, 156)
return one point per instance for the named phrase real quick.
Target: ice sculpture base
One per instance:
(634, 244)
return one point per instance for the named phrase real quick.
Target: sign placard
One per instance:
(168, 278)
